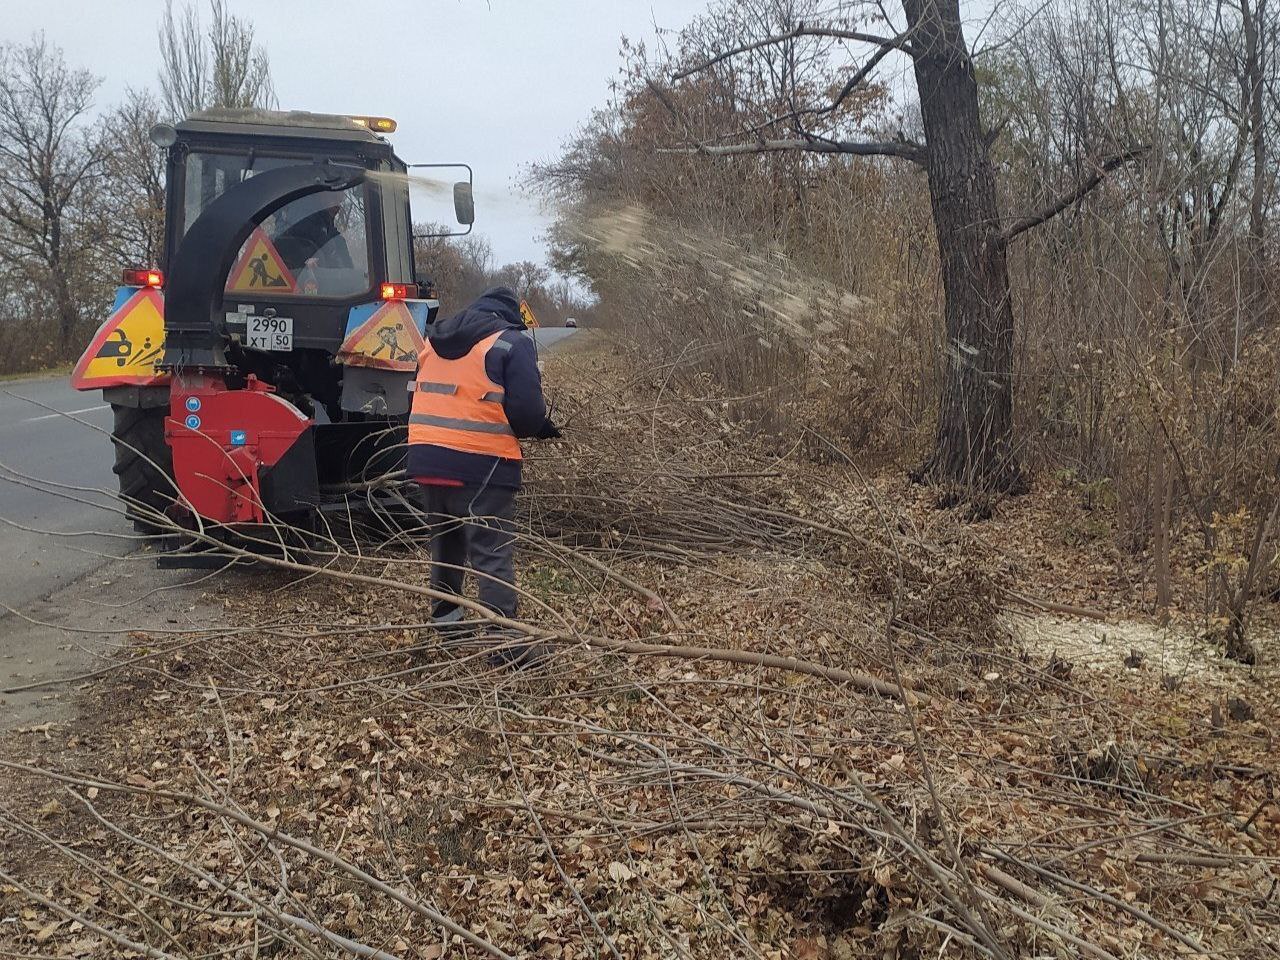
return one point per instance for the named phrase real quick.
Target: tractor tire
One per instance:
(144, 464)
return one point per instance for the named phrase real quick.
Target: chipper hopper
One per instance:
(264, 366)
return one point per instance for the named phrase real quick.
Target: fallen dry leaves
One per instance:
(237, 796)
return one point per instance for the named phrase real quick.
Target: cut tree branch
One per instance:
(1078, 193)
(890, 43)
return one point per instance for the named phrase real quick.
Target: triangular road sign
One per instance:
(127, 347)
(259, 268)
(389, 339)
(526, 314)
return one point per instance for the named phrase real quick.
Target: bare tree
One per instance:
(524, 277)
(1145, 363)
(133, 194)
(457, 268)
(49, 159)
(220, 67)
(1256, 72)
(974, 442)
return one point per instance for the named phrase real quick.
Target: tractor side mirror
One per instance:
(464, 206)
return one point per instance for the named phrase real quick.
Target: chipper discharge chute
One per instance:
(266, 363)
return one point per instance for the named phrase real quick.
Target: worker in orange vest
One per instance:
(477, 392)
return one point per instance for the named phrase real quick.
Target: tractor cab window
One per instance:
(316, 246)
(321, 240)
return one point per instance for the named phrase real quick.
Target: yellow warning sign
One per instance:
(526, 314)
(389, 339)
(126, 348)
(259, 268)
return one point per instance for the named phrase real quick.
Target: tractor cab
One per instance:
(267, 358)
(316, 256)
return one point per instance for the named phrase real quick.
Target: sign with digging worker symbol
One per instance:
(387, 336)
(259, 268)
(128, 345)
(526, 314)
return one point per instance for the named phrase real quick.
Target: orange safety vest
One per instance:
(456, 405)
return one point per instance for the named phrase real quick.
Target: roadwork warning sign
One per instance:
(389, 339)
(259, 268)
(526, 314)
(127, 347)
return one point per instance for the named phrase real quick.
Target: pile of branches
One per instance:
(770, 721)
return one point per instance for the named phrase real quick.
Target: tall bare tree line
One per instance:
(52, 160)
(459, 270)
(81, 192)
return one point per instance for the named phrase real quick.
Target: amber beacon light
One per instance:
(377, 124)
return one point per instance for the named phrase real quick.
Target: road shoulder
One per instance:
(48, 648)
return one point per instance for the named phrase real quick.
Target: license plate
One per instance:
(269, 333)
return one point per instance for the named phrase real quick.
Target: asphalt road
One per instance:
(547, 336)
(51, 536)
(58, 519)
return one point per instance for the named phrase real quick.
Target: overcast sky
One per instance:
(497, 84)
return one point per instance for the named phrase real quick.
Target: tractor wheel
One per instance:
(144, 464)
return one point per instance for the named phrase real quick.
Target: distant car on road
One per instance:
(570, 322)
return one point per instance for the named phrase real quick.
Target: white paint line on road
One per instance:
(68, 413)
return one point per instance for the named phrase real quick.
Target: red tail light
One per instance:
(398, 291)
(143, 278)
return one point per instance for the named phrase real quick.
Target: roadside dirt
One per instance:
(51, 647)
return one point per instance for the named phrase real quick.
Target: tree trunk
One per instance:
(65, 306)
(974, 442)
(1256, 49)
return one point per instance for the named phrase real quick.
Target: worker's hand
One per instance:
(549, 431)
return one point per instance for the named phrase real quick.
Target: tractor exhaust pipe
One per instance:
(194, 318)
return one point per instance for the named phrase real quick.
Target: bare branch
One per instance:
(807, 143)
(1076, 194)
(860, 75)
(888, 43)
(903, 149)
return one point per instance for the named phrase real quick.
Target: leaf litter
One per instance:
(335, 782)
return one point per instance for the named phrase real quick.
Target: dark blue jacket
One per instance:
(514, 371)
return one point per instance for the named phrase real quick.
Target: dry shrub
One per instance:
(24, 349)
(801, 363)
(792, 353)
(29, 341)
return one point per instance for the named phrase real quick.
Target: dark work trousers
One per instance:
(473, 526)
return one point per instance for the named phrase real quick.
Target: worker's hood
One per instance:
(494, 310)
